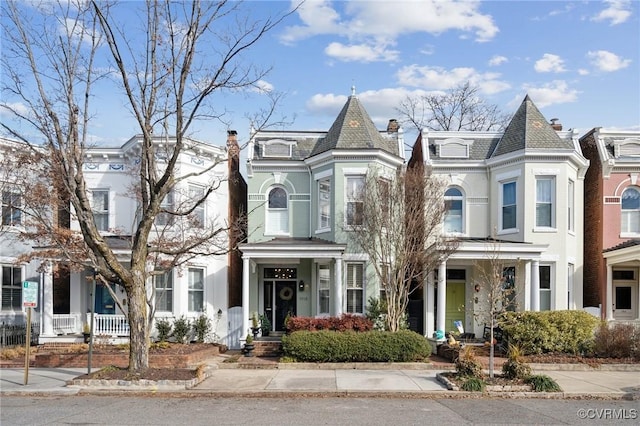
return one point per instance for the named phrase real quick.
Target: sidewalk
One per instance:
(300, 379)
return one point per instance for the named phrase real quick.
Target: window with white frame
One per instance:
(11, 288)
(508, 287)
(100, 207)
(163, 282)
(196, 193)
(355, 288)
(278, 211)
(545, 287)
(386, 273)
(324, 289)
(324, 203)
(545, 201)
(354, 200)
(571, 220)
(453, 215)
(508, 211)
(196, 290)
(11, 208)
(631, 210)
(164, 218)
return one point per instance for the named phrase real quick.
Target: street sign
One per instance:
(29, 294)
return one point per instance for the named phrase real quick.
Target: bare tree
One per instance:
(399, 228)
(460, 108)
(497, 293)
(169, 68)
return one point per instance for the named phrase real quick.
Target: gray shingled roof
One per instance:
(354, 129)
(528, 129)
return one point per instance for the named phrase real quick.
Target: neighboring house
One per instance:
(515, 195)
(206, 284)
(303, 191)
(612, 216)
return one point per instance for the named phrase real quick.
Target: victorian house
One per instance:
(612, 216)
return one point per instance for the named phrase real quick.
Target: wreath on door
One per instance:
(286, 293)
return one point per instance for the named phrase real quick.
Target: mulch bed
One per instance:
(156, 374)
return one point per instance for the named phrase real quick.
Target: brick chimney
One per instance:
(556, 125)
(232, 143)
(393, 126)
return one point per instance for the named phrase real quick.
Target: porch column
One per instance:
(46, 310)
(337, 288)
(535, 285)
(609, 300)
(245, 297)
(429, 292)
(442, 296)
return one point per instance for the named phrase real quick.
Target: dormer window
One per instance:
(626, 148)
(453, 148)
(277, 148)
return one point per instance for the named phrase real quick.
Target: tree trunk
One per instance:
(138, 329)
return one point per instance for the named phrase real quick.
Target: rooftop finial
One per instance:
(353, 90)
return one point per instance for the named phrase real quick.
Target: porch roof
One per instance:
(471, 248)
(627, 252)
(293, 248)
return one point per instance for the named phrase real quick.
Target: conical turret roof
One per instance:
(354, 129)
(528, 129)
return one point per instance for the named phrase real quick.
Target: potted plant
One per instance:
(255, 326)
(265, 325)
(248, 346)
(86, 332)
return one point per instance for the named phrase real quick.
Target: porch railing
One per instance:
(66, 323)
(112, 325)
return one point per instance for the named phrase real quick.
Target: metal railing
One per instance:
(16, 334)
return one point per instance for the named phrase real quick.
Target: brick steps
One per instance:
(267, 348)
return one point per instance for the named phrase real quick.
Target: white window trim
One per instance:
(321, 229)
(173, 288)
(464, 211)
(267, 210)
(18, 225)
(364, 287)
(22, 278)
(110, 208)
(571, 207)
(501, 230)
(204, 288)
(202, 206)
(551, 288)
(552, 228)
(318, 266)
(627, 234)
(346, 200)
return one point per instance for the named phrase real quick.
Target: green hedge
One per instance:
(349, 346)
(569, 332)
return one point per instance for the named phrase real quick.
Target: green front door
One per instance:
(455, 305)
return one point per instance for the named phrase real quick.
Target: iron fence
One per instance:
(16, 334)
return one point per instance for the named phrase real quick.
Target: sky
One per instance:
(579, 61)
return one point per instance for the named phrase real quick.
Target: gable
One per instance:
(453, 148)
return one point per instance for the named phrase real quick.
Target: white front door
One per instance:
(625, 301)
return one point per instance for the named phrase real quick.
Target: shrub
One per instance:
(617, 341)
(543, 383)
(181, 329)
(201, 328)
(473, 384)
(467, 364)
(515, 367)
(351, 346)
(345, 322)
(550, 331)
(163, 327)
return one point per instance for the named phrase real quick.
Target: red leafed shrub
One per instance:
(345, 322)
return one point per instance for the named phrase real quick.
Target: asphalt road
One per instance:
(156, 410)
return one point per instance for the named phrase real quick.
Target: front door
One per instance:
(104, 302)
(454, 305)
(623, 301)
(279, 297)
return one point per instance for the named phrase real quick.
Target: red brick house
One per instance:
(612, 223)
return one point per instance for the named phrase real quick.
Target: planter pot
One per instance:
(248, 349)
(255, 331)
(87, 337)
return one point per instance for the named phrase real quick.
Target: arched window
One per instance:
(453, 217)
(278, 211)
(631, 210)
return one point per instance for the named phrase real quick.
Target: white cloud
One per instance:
(366, 23)
(361, 52)
(550, 63)
(7, 108)
(555, 92)
(583, 71)
(617, 12)
(263, 86)
(497, 60)
(607, 61)
(437, 78)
